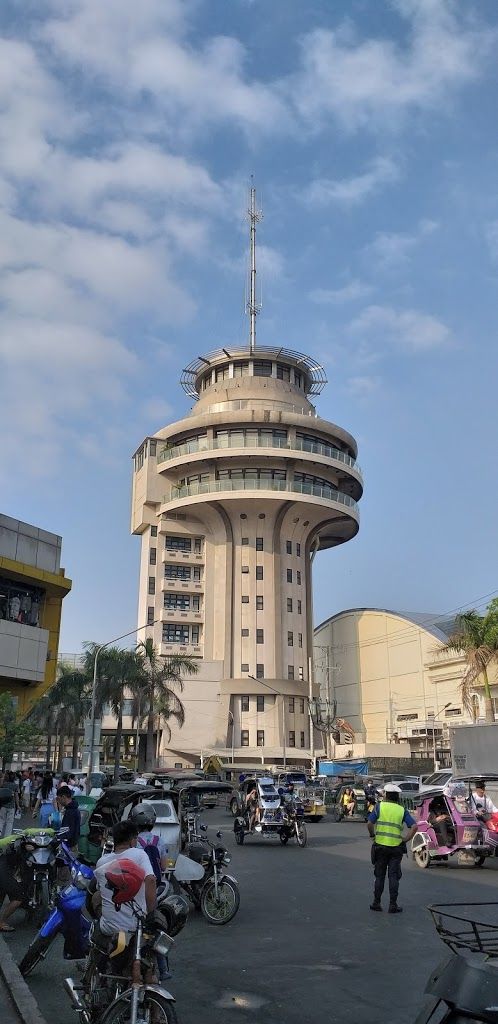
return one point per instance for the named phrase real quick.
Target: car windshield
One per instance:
(437, 779)
(162, 809)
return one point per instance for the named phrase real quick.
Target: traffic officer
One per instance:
(385, 825)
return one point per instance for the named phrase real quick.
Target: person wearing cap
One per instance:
(385, 825)
(481, 803)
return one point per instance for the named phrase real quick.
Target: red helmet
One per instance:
(124, 878)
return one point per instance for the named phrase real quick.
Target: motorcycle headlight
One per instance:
(42, 840)
(162, 943)
(226, 858)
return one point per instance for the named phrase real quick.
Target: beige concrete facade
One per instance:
(390, 677)
(231, 503)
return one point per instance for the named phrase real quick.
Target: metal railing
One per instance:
(244, 484)
(218, 444)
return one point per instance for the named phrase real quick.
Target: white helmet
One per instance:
(391, 787)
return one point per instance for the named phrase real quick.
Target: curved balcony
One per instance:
(294, 487)
(298, 445)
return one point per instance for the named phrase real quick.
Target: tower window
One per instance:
(152, 556)
(298, 578)
(290, 639)
(262, 368)
(290, 671)
(299, 639)
(299, 607)
(259, 543)
(244, 667)
(244, 738)
(150, 616)
(302, 739)
(298, 550)
(259, 572)
(178, 544)
(259, 603)
(245, 568)
(291, 705)
(153, 531)
(289, 575)
(288, 547)
(260, 737)
(301, 705)
(152, 584)
(260, 703)
(283, 372)
(289, 604)
(244, 703)
(260, 636)
(292, 739)
(301, 673)
(245, 632)
(245, 598)
(244, 540)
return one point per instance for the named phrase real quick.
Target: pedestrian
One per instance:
(482, 804)
(26, 790)
(8, 811)
(385, 825)
(71, 817)
(46, 800)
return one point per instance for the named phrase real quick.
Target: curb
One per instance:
(24, 1002)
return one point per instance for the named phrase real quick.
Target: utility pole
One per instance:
(252, 306)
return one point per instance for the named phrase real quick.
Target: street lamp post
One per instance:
(434, 734)
(232, 719)
(284, 721)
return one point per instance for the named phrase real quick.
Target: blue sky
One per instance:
(128, 133)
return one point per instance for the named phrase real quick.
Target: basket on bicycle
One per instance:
(457, 926)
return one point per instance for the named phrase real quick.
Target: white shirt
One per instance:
(484, 803)
(122, 920)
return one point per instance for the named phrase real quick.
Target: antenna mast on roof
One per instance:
(252, 306)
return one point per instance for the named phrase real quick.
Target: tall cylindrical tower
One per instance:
(232, 503)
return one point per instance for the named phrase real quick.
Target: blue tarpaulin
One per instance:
(342, 768)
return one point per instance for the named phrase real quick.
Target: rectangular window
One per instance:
(260, 636)
(198, 545)
(178, 543)
(152, 556)
(245, 598)
(244, 540)
(290, 671)
(260, 703)
(244, 667)
(259, 543)
(298, 578)
(292, 705)
(153, 531)
(152, 447)
(292, 739)
(290, 639)
(259, 572)
(260, 737)
(299, 607)
(245, 632)
(262, 368)
(150, 616)
(244, 703)
(301, 705)
(174, 633)
(283, 372)
(196, 603)
(194, 634)
(245, 568)
(152, 584)
(244, 738)
(197, 573)
(298, 550)
(301, 673)
(299, 639)
(289, 604)
(289, 575)
(259, 603)
(288, 547)
(177, 602)
(302, 739)
(179, 572)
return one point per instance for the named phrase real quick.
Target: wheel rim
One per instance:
(422, 856)
(221, 906)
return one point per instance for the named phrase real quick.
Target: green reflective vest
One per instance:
(389, 824)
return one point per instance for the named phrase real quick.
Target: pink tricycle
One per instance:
(447, 825)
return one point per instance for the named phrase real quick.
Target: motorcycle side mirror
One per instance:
(204, 828)
(96, 819)
(219, 835)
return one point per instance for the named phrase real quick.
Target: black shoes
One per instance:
(375, 906)
(394, 909)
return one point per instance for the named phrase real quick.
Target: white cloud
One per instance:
(351, 292)
(351, 191)
(371, 83)
(390, 248)
(363, 387)
(408, 330)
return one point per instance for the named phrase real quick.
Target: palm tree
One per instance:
(120, 675)
(163, 677)
(70, 698)
(476, 637)
(43, 715)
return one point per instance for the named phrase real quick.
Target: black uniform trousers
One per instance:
(387, 860)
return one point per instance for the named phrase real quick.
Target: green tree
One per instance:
(163, 682)
(71, 697)
(476, 637)
(120, 676)
(15, 734)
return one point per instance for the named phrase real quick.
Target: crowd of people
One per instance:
(31, 791)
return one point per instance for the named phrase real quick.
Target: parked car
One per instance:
(438, 780)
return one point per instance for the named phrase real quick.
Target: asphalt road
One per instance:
(304, 947)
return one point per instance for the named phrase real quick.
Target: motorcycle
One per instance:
(215, 893)
(465, 986)
(65, 919)
(105, 995)
(39, 849)
(278, 814)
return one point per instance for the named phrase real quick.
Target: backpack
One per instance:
(151, 848)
